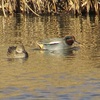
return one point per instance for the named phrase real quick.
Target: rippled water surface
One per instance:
(60, 75)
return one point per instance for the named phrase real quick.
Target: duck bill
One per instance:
(77, 42)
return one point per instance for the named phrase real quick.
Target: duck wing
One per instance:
(52, 43)
(49, 43)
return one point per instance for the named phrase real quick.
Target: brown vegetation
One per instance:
(42, 7)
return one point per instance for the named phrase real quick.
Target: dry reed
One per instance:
(41, 7)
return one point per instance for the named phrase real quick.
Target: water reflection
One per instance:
(20, 60)
(60, 75)
(60, 53)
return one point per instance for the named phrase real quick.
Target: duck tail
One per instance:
(40, 45)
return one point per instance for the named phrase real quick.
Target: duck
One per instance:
(17, 52)
(57, 43)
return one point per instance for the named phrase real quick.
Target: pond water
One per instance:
(48, 75)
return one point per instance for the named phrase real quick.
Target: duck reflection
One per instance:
(19, 60)
(60, 52)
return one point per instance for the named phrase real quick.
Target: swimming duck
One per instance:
(17, 52)
(57, 43)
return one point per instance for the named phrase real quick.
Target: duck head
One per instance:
(11, 49)
(69, 40)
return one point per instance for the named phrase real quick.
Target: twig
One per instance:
(30, 8)
(3, 8)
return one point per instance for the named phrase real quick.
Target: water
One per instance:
(50, 75)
